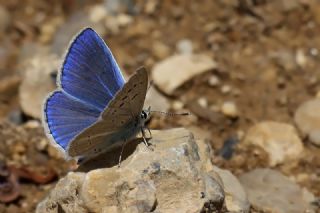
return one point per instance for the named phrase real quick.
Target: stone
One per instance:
(174, 71)
(213, 81)
(225, 89)
(160, 50)
(229, 109)
(236, 199)
(5, 20)
(37, 82)
(269, 190)
(279, 140)
(175, 175)
(97, 13)
(156, 100)
(307, 119)
(184, 46)
(203, 102)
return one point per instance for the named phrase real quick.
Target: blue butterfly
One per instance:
(94, 109)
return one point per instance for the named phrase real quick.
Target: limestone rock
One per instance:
(174, 175)
(172, 72)
(37, 83)
(279, 140)
(307, 118)
(271, 191)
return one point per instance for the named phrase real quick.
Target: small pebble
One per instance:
(203, 102)
(184, 46)
(124, 20)
(213, 81)
(225, 89)
(97, 13)
(177, 105)
(229, 109)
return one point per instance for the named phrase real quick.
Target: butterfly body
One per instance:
(94, 109)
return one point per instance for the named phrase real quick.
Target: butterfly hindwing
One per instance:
(65, 117)
(90, 72)
(123, 109)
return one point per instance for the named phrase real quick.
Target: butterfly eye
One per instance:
(144, 115)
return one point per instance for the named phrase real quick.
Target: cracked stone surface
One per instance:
(174, 175)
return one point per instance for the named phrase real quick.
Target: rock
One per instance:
(236, 199)
(151, 6)
(279, 140)
(97, 13)
(184, 46)
(176, 176)
(203, 102)
(5, 20)
(37, 83)
(66, 32)
(225, 89)
(270, 191)
(160, 50)
(229, 109)
(174, 71)
(307, 119)
(213, 81)
(156, 100)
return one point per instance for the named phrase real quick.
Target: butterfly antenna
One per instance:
(150, 85)
(170, 113)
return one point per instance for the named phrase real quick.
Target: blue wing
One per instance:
(88, 80)
(65, 117)
(90, 72)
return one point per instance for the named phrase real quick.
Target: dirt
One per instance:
(267, 53)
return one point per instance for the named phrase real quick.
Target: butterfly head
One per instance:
(145, 115)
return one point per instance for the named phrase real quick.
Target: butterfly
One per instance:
(94, 110)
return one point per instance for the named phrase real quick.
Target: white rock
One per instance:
(213, 81)
(37, 83)
(156, 100)
(177, 105)
(97, 13)
(307, 118)
(235, 196)
(225, 89)
(279, 140)
(229, 109)
(184, 46)
(5, 20)
(203, 102)
(174, 71)
(271, 191)
(177, 176)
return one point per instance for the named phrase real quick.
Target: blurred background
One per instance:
(245, 69)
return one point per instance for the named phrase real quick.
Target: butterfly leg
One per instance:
(120, 157)
(144, 137)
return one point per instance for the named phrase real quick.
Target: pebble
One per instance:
(213, 81)
(177, 105)
(301, 58)
(184, 46)
(37, 83)
(124, 19)
(203, 102)
(225, 89)
(160, 50)
(151, 6)
(5, 20)
(279, 140)
(229, 109)
(269, 190)
(174, 71)
(307, 119)
(97, 13)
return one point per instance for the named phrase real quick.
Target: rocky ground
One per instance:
(248, 71)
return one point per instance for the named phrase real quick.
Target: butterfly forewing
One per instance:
(114, 123)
